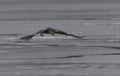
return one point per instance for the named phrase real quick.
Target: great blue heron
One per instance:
(48, 30)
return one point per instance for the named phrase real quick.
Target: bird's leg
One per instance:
(42, 34)
(52, 32)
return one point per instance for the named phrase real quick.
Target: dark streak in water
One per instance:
(15, 44)
(65, 57)
(57, 18)
(9, 34)
(113, 47)
(79, 56)
(55, 63)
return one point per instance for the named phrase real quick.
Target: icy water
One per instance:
(98, 54)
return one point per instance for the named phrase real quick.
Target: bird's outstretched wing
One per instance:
(28, 37)
(76, 36)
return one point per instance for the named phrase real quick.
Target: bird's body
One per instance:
(55, 31)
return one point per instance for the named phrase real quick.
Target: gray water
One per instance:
(95, 55)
